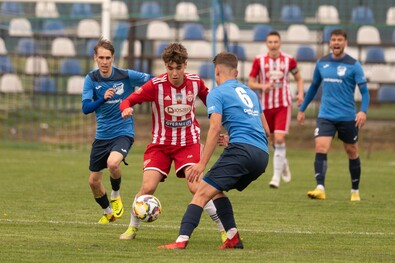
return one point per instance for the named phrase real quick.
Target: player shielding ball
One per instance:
(175, 129)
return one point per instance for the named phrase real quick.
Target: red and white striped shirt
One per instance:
(276, 72)
(173, 108)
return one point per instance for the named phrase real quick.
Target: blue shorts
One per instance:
(347, 131)
(238, 166)
(101, 150)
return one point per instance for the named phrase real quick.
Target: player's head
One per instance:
(104, 56)
(175, 57)
(273, 43)
(225, 66)
(338, 42)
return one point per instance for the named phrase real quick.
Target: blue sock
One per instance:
(190, 220)
(355, 172)
(320, 165)
(225, 212)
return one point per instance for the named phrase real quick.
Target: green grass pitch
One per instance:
(48, 214)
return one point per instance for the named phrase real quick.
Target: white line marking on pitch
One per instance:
(203, 228)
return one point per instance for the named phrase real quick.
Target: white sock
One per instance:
(278, 161)
(182, 238)
(134, 221)
(212, 212)
(354, 190)
(231, 233)
(115, 194)
(108, 210)
(320, 187)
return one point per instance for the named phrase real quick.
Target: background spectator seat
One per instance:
(256, 13)
(186, 11)
(44, 84)
(362, 15)
(291, 14)
(10, 83)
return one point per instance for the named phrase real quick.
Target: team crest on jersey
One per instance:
(341, 70)
(190, 96)
(118, 88)
(179, 97)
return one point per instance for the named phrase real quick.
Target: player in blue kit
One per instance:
(338, 74)
(235, 107)
(104, 89)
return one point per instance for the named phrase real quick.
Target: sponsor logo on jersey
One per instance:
(178, 110)
(118, 88)
(274, 75)
(333, 80)
(178, 124)
(251, 112)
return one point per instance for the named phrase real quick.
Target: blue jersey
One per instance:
(110, 123)
(338, 78)
(241, 113)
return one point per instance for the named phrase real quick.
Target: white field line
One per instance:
(161, 226)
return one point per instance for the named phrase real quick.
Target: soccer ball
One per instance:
(147, 208)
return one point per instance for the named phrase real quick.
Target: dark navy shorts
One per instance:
(101, 150)
(346, 130)
(238, 166)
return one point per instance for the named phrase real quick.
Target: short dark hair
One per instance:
(104, 43)
(226, 58)
(175, 52)
(339, 32)
(273, 33)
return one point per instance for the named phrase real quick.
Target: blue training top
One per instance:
(110, 123)
(338, 78)
(241, 113)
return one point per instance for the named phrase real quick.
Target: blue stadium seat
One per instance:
(44, 85)
(227, 13)
(6, 65)
(375, 55)
(239, 51)
(260, 32)
(193, 31)
(12, 9)
(27, 47)
(70, 66)
(326, 34)
(206, 70)
(81, 10)
(150, 9)
(160, 49)
(386, 93)
(121, 30)
(305, 54)
(141, 66)
(54, 27)
(362, 15)
(291, 14)
(90, 45)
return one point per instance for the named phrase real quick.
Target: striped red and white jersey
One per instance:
(276, 71)
(173, 108)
